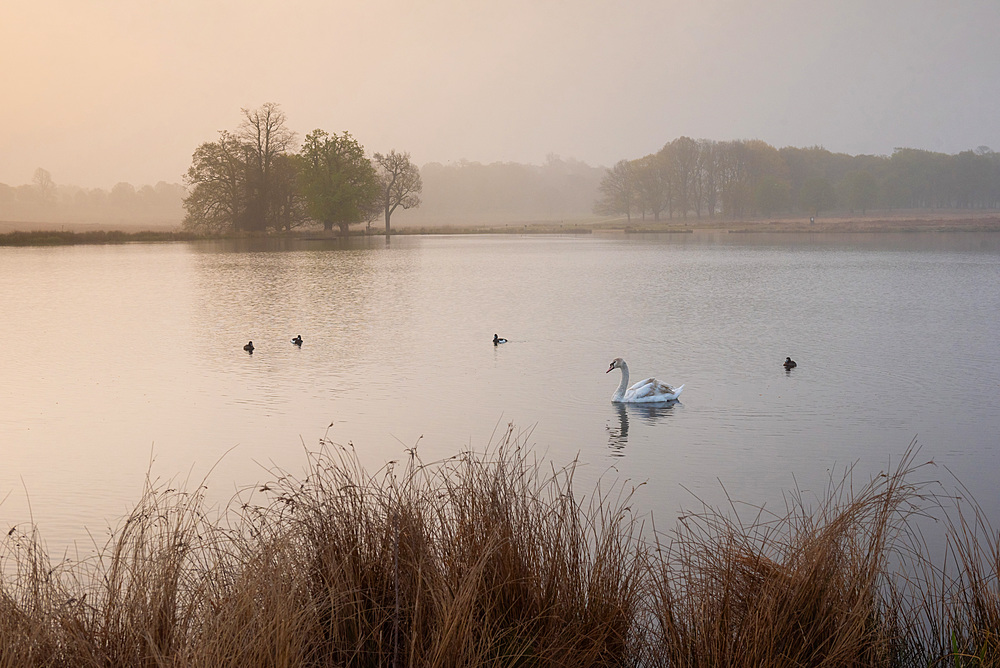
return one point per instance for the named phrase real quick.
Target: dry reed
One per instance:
(492, 559)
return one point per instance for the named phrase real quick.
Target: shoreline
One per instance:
(32, 233)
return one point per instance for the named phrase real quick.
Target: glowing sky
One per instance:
(102, 91)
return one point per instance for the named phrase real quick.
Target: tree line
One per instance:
(252, 180)
(45, 201)
(749, 178)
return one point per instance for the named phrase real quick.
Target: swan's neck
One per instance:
(620, 392)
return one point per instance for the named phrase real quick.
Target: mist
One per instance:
(113, 91)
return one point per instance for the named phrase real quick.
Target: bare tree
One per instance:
(401, 184)
(263, 130)
(46, 186)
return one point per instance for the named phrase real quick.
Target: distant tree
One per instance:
(771, 194)
(42, 180)
(618, 191)
(707, 178)
(682, 173)
(817, 195)
(123, 195)
(861, 191)
(338, 182)
(400, 183)
(652, 186)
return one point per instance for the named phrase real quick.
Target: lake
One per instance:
(123, 360)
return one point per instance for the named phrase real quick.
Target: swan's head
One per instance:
(616, 363)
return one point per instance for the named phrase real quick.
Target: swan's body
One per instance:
(249, 347)
(645, 391)
(789, 363)
(297, 340)
(497, 340)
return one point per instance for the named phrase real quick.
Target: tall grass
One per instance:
(493, 559)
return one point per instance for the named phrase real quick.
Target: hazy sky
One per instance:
(102, 91)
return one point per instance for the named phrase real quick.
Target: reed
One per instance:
(492, 559)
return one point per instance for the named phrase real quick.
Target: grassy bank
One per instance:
(63, 238)
(897, 221)
(494, 560)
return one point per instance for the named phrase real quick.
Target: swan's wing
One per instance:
(642, 383)
(651, 390)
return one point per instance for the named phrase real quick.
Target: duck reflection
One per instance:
(618, 426)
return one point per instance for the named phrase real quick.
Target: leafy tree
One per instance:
(245, 181)
(682, 173)
(217, 181)
(400, 183)
(817, 194)
(861, 191)
(618, 191)
(707, 178)
(338, 182)
(771, 194)
(652, 187)
(288, 207)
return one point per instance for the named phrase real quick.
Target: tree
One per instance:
(46, 186)
(862, 191)
(263, 131)
(651, 185)
(400, 182)
(682, 173)
(288, 207)
(618, 191)
(771, 194)
(817, 194)
(338, 182)
(707, 179)
(217, 180)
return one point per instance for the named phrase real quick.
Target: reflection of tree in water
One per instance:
(618, 428)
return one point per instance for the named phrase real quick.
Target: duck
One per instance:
(497, 340)
(789, 363)
(249, 347)
(645, 391)
(297, 340)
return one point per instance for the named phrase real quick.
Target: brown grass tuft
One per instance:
(492, 559)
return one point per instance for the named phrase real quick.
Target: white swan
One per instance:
(645, 391)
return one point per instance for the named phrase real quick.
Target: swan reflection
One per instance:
(645, 413)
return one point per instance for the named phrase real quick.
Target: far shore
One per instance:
(41, 233)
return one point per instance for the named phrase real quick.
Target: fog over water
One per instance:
(108, 91)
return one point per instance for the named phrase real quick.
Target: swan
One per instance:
(249, 347)
(297, 340)
(645, 391)
(497, 340)
(789, 363)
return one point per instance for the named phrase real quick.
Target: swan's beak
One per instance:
(610, 368)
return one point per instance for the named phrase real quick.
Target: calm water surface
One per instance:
(118, 360)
